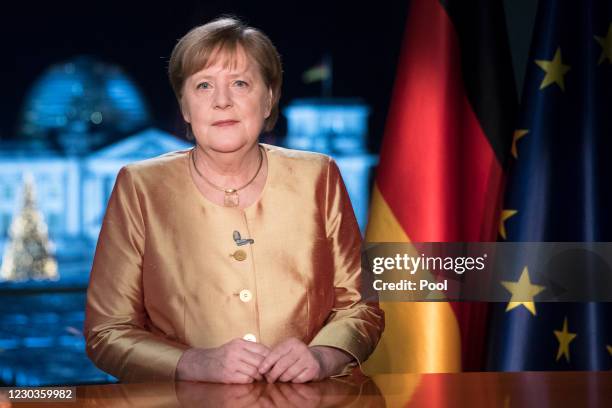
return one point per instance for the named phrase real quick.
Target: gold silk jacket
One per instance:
(168, 273)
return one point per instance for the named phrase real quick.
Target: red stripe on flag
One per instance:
(438, 174)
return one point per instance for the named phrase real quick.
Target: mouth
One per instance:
(223, 123)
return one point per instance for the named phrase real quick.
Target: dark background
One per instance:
(364, 42)
(364, 39)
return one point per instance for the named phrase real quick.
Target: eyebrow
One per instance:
(232, 75)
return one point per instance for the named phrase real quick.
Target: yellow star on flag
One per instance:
(518, 133)
(565, 338)
(555, 70)
(504, 216)
(606, 46)
(523, 292)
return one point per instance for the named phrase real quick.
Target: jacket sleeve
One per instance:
(355, 325)
(117, 339)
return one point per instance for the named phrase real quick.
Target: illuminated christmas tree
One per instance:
(28, 253)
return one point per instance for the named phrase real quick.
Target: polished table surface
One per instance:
(521, 389)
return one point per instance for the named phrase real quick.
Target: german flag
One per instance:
(441, 169)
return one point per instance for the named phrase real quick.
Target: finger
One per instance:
(251, 358)
(305, 376)
(281, 366)
(249, 370)
(253, 347)
(275, 355)
(292, 371)
(240, 378)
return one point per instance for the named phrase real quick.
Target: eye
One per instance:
(204, 85)
(240, 83)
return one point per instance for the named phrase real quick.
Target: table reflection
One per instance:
(474, 390)
(354, 391)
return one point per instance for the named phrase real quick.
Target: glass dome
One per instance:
(83, 100)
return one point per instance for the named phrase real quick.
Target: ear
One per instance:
(269, 99)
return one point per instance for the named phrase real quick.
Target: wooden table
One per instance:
(524, 389)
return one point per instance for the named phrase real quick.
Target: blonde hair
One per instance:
(198, 48)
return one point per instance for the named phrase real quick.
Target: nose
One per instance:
(222, 98)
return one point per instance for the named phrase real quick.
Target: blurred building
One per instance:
(338, 127)
(81, 122)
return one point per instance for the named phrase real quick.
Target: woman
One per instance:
(233, 261)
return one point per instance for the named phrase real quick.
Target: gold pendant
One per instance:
(231, 198)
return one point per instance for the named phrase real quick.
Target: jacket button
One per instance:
(250, 337)
(239, 255)
(246, 295)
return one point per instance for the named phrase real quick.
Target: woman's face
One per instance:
(226, 104)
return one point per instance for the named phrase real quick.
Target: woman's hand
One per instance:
(235, 362)
(294, 361)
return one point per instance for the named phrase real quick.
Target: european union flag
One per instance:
(560, 186)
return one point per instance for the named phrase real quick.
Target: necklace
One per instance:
(231, 198)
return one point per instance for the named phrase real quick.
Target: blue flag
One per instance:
(560, 187)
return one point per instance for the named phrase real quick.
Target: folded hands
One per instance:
(240, 361)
